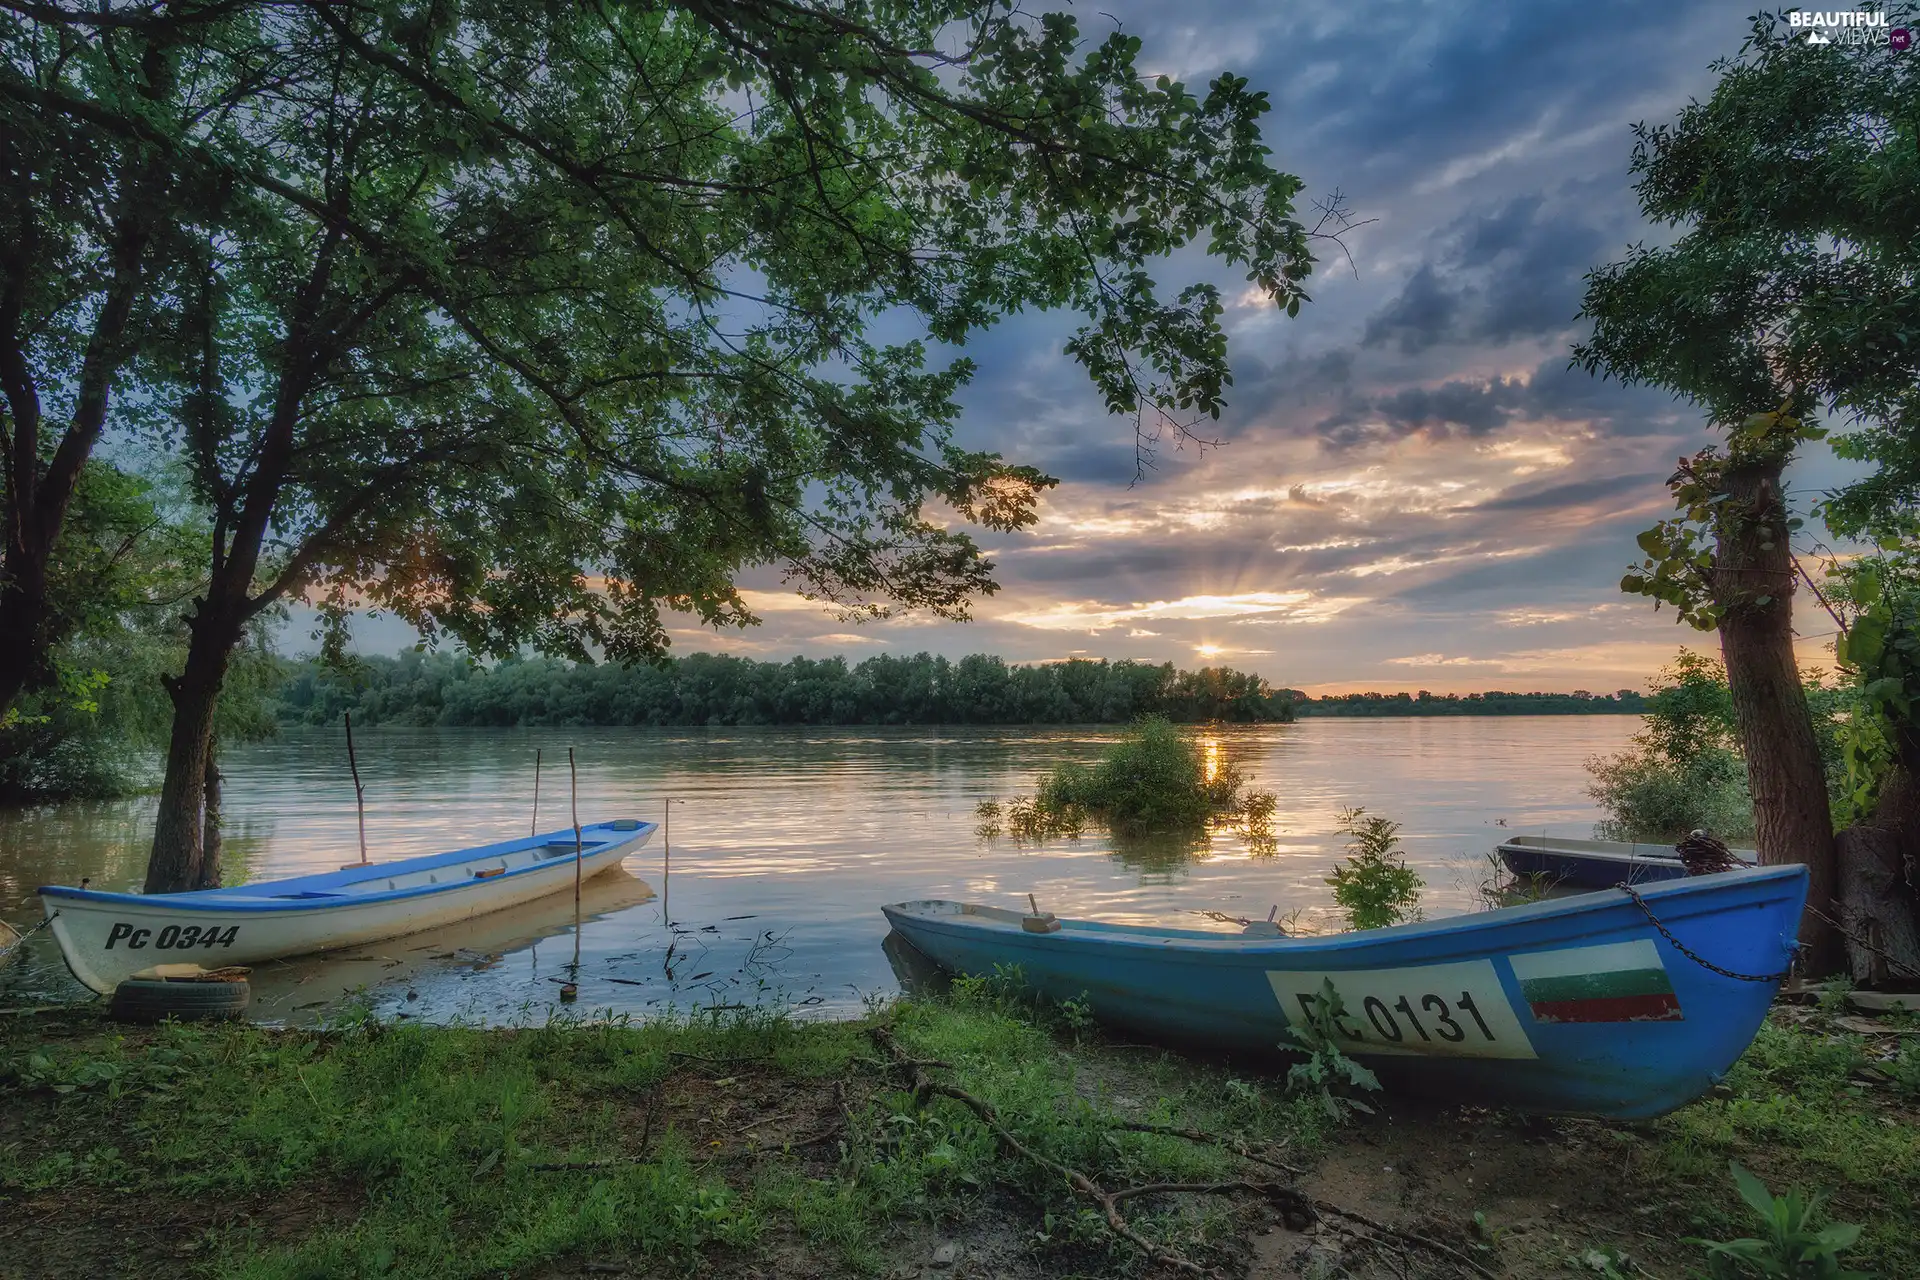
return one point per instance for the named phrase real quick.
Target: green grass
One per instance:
(409, 1151)
(397, 1150)
(1794, 1112)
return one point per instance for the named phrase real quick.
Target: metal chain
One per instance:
(1691, 954)
(22, 939)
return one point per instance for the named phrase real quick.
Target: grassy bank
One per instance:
(758, 1146)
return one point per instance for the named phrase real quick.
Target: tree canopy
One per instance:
(593, 292)
(1795, 281)
(527, 325)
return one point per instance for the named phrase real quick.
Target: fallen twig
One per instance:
(1291, 1198)
(1194, 1135)
(925, 1086)
(1411, 1237)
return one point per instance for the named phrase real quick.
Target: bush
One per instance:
(1684, 772)
(1375, 885)
(1657, 801)
(1154, 779)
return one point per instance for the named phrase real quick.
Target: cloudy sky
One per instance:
(1414, 490)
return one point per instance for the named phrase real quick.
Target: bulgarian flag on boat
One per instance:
(1616, 982)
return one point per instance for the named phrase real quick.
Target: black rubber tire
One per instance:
(156, 999)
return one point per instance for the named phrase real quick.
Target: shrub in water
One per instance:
(1375, 885)
(1155, 780)
(1152, 780)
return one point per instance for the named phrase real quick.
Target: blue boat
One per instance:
(1580, 1005)
(1596, 864)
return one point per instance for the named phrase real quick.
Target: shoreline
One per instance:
(757, 1145)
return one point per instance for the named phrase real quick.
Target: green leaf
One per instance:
(1752, 1190)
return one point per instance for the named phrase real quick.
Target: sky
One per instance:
(1414, 491)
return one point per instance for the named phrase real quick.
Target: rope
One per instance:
(22, 940)
(1691, 954)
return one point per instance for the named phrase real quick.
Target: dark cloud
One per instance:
(1573, 494)
(1456, 407)
(1588, 568)
(1094, 571)
(1514, 271)
(1553, 392)
(1559, 390)
(1423, 314)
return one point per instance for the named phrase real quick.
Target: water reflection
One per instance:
(916, 973)
(784, 844)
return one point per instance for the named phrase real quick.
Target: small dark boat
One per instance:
(1597, 864)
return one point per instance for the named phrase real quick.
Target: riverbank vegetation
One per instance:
(717, 689)
(1492, 703)
(417, 688)
(95, 714)
(743, 1145)
(1685, 770)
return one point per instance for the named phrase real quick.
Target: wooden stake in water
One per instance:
(666, 866)
(573, 777)
(359, 792)
(533, 828)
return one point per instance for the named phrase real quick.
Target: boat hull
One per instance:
(1577, 1005)
(106, 938)
(1595, 864)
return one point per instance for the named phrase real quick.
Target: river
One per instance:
(784, 843)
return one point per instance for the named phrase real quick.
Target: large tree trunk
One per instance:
(1879, 890)
(23, 613)
(178, 860)
(1754, 587)
(210, 841)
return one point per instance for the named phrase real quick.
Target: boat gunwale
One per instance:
(247, 899)
(1698, 895)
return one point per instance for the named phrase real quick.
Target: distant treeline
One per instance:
(1577, 703)
(713, 689)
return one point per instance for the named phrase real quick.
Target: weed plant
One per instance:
(1374, 886)
(1796, 1242)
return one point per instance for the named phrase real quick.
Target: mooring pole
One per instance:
(574, 787)
(359, 792)
(533, 828)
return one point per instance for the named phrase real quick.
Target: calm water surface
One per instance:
(785, 842)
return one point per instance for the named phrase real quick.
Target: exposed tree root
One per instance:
(1289, 1199)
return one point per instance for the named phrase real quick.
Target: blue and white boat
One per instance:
(108, 937)
(1580, 1004)
(1597, 864)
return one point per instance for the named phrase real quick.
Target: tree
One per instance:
(527, 326)
(90, 219)
(1791, 291)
